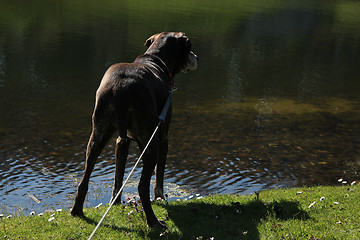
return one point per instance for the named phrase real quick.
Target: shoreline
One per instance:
(319, 212)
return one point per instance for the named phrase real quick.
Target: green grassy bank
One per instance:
(299, 213)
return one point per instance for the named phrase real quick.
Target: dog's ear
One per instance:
(151, 39)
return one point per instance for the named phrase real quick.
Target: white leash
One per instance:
(161, 118)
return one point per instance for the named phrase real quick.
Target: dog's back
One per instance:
(132, 95)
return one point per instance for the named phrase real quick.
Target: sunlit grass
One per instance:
(299, 213)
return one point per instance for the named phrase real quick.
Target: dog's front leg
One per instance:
(149, 162)
(121, 153)
(160, 169)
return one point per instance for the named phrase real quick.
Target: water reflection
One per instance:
(268, 142)
(274, 102)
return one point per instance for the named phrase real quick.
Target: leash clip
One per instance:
(174, 88)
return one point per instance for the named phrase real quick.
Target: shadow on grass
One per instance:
(206, 220)
(138, 232)
(235, 221)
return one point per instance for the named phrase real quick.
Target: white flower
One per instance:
(32, 213)
(312, 204)
(322, 198)
(51, 219)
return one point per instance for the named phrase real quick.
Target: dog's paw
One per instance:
(77, 213)
(158, 224)
(159, 194)
(117, 202)
(159, 199)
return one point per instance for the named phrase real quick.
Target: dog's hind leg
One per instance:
(122, 144)
(101, 133)
(121, 153)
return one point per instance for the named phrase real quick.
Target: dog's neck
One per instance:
(162, 62)
(170, 74)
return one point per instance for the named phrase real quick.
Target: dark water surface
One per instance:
(275, 101)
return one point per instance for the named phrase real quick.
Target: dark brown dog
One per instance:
(129, 100)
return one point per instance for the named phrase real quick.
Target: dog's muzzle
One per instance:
(191, 63)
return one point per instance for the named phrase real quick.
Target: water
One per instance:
(275, 101)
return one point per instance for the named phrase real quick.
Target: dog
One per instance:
(128, 102)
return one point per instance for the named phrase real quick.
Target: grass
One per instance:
(298, 213)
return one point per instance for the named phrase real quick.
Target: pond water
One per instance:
(274, 103)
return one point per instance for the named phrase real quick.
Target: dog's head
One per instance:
(175, 50)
